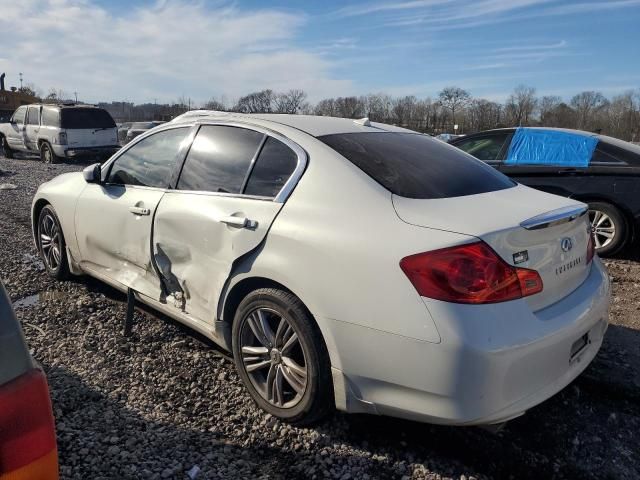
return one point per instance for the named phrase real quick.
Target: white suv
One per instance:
(59, 131)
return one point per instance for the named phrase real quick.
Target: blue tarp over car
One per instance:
(532, 146)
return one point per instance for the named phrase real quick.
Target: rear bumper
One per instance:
(494, 361)
(83, 152)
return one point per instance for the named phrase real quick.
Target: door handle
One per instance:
(240, 222)
(139, 210)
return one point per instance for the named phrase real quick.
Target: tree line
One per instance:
(618, 116)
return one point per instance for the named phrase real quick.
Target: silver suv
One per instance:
(60, 131)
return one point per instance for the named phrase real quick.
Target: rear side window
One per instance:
(33, 116)
(605, 153)
(274, 166)
(417, 166)
(486, 148)
(50, 117)
(82, 117)
(219, 159)
(150, 162)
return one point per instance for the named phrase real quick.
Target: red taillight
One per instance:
(27, 433)
(591, 247)
(471, 273)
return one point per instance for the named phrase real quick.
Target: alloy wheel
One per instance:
(50, 241)
(273, 357)
(603, 228)
(46, 154)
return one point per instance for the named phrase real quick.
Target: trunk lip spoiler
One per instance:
(554, 217)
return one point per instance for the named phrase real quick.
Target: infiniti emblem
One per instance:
(566, 244)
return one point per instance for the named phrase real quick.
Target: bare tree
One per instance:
(453, 99)
(483, 115)
(585, 104)
(290, 102)
(256, 102)
(404, 109)
(326, 108)
(349, 107)
(215, 104)
(520, 105)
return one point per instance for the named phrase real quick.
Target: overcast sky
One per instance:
(143, 51)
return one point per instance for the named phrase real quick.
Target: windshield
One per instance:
(417, 166)
(86, 118)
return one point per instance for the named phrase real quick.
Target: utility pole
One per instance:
(76, 94)
(20, 80)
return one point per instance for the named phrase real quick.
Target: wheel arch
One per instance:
(630, 223)
(240, 285)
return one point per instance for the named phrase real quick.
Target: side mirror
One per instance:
(12, 121)
(92, 174)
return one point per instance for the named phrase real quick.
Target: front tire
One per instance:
(281, 357)
(608, 226)
(47, 155)
(6, 150)
(51, 244)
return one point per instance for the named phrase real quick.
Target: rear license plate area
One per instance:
(579, 345)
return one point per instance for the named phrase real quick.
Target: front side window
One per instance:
(19, 114)
(417, 166)
(150, 162)
(486, 149)
(33, 116)
(219, 159)
(275, 164)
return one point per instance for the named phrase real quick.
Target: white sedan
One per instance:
(346, 264)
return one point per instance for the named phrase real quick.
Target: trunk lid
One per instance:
(526, 227)
(92, 137)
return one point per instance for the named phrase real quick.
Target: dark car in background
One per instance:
(601, 171)
(138, 128)
(27, 434)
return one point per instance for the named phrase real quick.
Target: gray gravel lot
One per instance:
(165, 400)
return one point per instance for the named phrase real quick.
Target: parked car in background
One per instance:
(599, 170)
(345, 263)
(27, 433)
(448, 137)
(60, 131)
(138, 128)
(123, 128)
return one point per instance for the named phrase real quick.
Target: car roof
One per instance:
(311, 124)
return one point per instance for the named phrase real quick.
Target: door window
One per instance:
(219, 159)
(33, 117)
(275, 164)
(50, 117)
(150, 162)
(486, 149)
(19, 115)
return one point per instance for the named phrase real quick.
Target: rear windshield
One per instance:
(417, 166)
(86, 118)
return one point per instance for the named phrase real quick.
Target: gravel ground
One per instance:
(165, 400)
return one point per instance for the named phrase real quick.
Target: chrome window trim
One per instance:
(289, 185)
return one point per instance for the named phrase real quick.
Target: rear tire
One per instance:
(281, 357)
(51, 244)
(47, 155)
(609, 228)
(6, 150)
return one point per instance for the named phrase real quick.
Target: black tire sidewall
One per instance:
(620, 225)
(62, 272)
(46, 146)
(315, 356)
(6, 151)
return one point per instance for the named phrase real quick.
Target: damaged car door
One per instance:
(114, 218)
(233, 183)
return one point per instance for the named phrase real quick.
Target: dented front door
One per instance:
(113, 229)
(196, 238)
